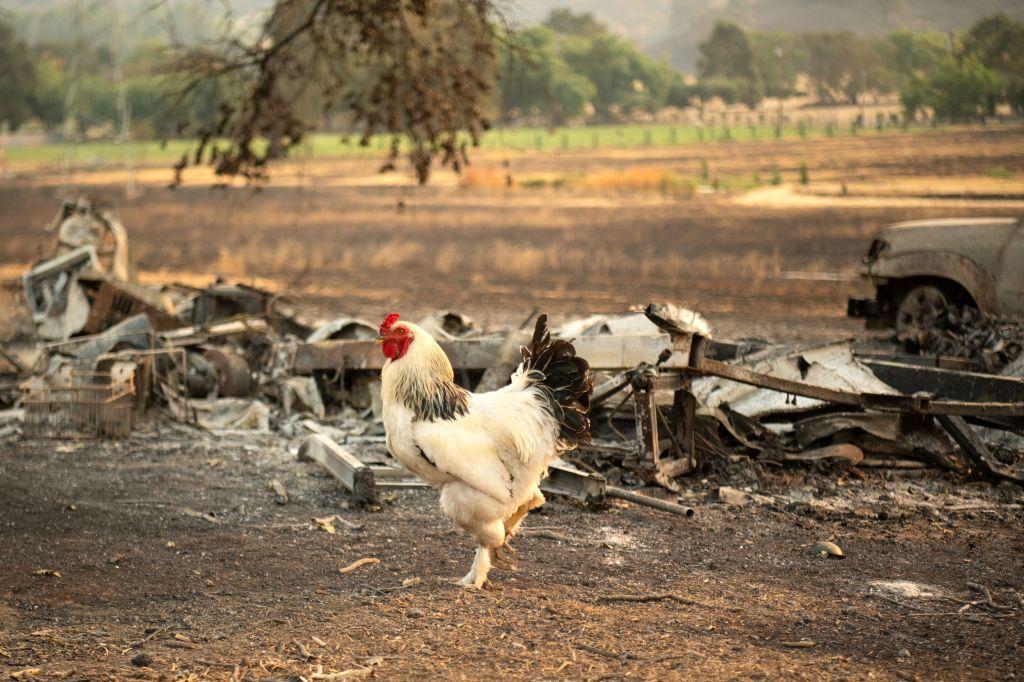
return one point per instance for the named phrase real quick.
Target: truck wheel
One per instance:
(920, 307)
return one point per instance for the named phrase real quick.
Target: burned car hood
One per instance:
(980, 239)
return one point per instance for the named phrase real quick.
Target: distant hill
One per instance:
(664, 28)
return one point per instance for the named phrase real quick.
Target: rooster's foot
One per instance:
(503, 557)
(471, 583)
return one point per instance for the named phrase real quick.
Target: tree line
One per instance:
(569, 68)
(959, 77)
(52, 81)
(575, 68)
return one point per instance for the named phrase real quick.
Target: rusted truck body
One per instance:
(923, 266)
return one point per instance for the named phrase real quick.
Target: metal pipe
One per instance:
(647, 501)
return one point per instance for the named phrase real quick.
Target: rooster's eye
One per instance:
(400, 331)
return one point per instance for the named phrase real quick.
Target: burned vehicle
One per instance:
(921, 268)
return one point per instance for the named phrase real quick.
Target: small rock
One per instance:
(142, 659)
(280, 494)
(904, 653)
(827, 550)
(415, 613)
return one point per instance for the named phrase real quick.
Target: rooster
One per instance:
(486, 452)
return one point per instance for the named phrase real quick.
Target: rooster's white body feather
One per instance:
(501, 446)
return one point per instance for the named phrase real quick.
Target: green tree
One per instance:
(841, 65)
(624, 78)
(915, 95)
(567, 22)
(51, 87)
(534, 79)
(997, 42)
(17, 78)
(679, 94)
(960, 90)
(780, 59)
(152, 114)
(729, 90)
(908, 53)
(727, 55)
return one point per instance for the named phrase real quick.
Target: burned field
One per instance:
(221, 551)
(346, 240)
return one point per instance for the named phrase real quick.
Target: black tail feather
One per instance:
(565, 379)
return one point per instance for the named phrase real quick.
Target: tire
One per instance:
(234, 379)
(921, 306)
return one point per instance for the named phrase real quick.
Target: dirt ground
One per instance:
(171, 545)
(171, 551)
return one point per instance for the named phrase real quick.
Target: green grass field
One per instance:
(330, 145)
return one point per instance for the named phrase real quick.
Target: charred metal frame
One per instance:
(646, 381)
(656, 460)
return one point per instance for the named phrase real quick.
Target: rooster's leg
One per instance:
(489, 535)
(506, 551)
(480, 515)
(477, 575)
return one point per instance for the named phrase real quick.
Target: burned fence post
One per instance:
(684, 410)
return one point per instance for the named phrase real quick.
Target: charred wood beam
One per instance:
(975, 448)
(357, 477)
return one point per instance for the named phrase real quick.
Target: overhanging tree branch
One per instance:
(417, 70)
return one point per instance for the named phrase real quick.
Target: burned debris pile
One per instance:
(989, 343)
(708, 405)
(670, 400)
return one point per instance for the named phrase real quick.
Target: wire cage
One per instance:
(93, 405)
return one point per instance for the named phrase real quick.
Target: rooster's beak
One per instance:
(379, 340)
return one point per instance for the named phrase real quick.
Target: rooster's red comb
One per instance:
(385, 326)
